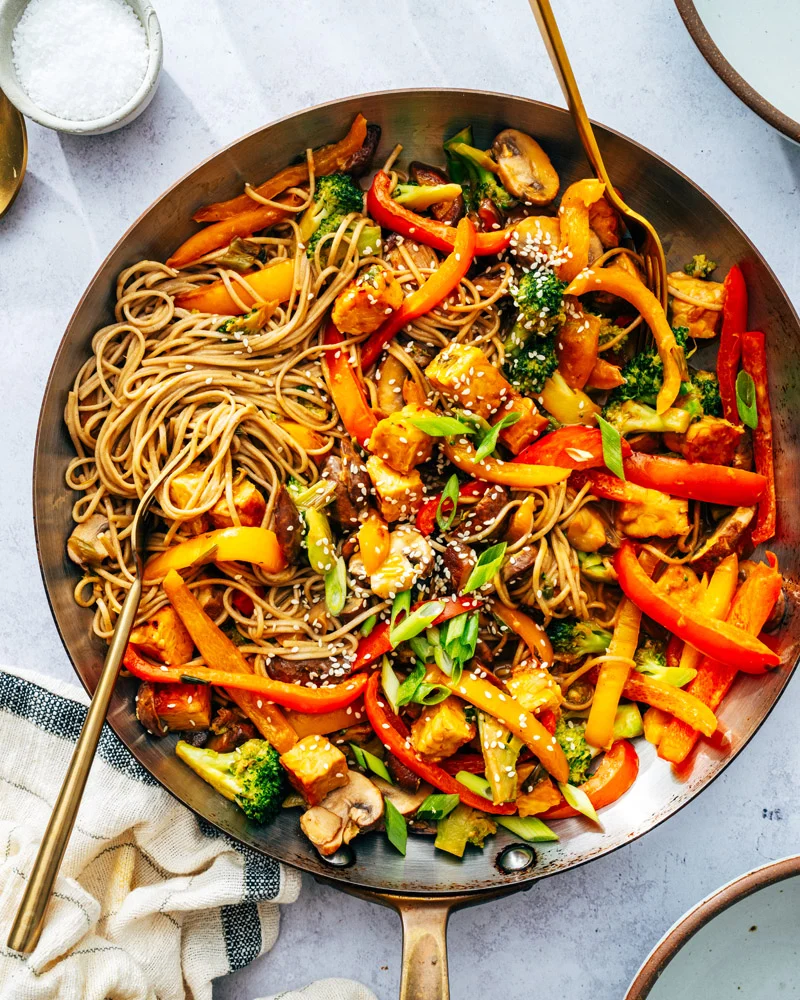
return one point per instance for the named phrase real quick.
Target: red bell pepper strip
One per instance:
(294, 696)
(754, 361)
(606, 486)
(426, 517)
(574, 447)
(387, 213)
(440, 284)
(472, 762)
(696, 480)
(734, 323)
(615, 775)
(720, 640)
(392, 732)
(346, 389)
(750, 610)
(377, 642)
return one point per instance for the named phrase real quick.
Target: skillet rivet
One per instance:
(516, 858)
(343, 858)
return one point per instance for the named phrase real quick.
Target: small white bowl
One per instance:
(10, 13)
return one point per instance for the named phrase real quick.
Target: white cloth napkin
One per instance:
(152, 903)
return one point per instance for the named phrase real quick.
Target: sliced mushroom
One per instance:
(595, 247)
(343, 813)
(444, 211)
(491, 280)
(459, 561)
(302, 671)
(485, 511)
(288, 524)
(410, 558)
(353, 485)
(406, 802)
(392, 374)
(146, 710)
(86, 545)
(360, 162)
(519, 563)
(524, 168)
(724, 539)
(402, 776)
(230, 728)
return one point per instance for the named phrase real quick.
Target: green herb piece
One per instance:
(369, 625)
(391, 684)
(746, 399)
(437, 806)
(396, 829)
(612, 447)
(423, 649)
(489, 562)
(400, 606)
(336, 587)
(449, 495)
(369, 762)
(415, 622)
(475, 783)
(489, 440)
(529, 828)
(407, 690)
(438, 425)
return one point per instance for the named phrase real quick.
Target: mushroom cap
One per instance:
(342, 814)
(85, 545)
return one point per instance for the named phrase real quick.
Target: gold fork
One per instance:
(642, 231)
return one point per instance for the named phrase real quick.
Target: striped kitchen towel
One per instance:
(152, 903)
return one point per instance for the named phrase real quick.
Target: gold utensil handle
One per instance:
(545, 18)
(28, 922)
(424, 974)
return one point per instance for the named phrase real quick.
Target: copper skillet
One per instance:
(426, 885)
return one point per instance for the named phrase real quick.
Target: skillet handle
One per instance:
(424, 975)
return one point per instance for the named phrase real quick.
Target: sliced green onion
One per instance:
(431, 694)
(746, 399)
(439, 425)
(489, 562)
(319, 541)
(407, 690)
(450, 493)
(314, 497)
(415, 622)
(423, 649)
(400, 605)
(612, 447)
(358, 753)
(370, 762)
(369, 625)
(475, 783)
(453, 629)
(396, 829)
(336, 587)
(578, 799)
(628, 723)
(391, 684)
(529, 828)
(437, 806)
(489, 440)
(370, 240)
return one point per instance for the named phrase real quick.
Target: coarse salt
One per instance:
(80, 59)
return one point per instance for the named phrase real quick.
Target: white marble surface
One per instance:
(231, 65)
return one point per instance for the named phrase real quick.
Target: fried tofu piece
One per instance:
(530, 426)
(679, 583)
(249, 503)
(465, 375)
(604, 221)
(367, 301)
(183, 493)
(659, 516)
(710, 439)
(702, 323)
(533, 687)
(442, 729)
(165, 708)
(399, 443)
(315, 767)
(399, 496)
(164, 638)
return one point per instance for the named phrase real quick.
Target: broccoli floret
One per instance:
(650, 658)
(571, 637)
(700, 266)
(418, 197)
(335, 196)
(251, 776)
(644, 373)
(571, 736)
(475, 170)
(539, 297)
(608, 331)
(706, 387)
(528, 366)
(630, 417)
(596, 567)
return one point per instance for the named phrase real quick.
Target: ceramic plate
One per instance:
(753, 48)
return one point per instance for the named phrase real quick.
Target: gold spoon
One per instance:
(641, 229)
(13, 152)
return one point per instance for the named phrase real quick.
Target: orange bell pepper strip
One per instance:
(322, 723)
(530, 631)
(387, 213)
(516, 475)
(573, 217)
(259, 546)
(681, 704)
(715, 602)
(392, 732)
(444, 280)
(616, 281)
(754, 361)
(347, 390)
(509, 713)
(750, 610)
(271, 284)
(573, 447)
(214, 237)
(720, 640)
(615, 775)
(734, 324)
(604, 375)
(327, 160)
(695, 480)
(373, 542)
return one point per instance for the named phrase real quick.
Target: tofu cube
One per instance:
(530, 425)
(367, 301)
(465, 375)
(659, 516)
(249, 503)
(315, 767)
(442, 729)
(533, 687)
(701, 322)
(399, 443)
(164, 638)
(399, 496)
(184, 493)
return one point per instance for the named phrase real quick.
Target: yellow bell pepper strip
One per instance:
(347, 390)
(516, 475)
(259, 546)
(614, 673)
(444, 280)
(490, 699)
(720, 640)
(327, 160)
(667, 697)
(530, 631)
(750, 610)
(322, 723)
(373, 542)
(387, 213)
(616, 281)
(271, 284)
(715, 602)
(573, 217)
